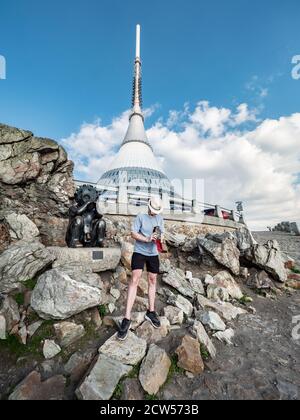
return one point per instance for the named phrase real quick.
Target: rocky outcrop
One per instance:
(154, 369)
(268, 257)
(222, 249)
(129, 352)
(224, 280)
(35, 180)
(59, 296)
(102, 379)
(32, 388)
(189, 357)
(22, 262)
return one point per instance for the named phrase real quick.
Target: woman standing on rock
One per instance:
(146, 230)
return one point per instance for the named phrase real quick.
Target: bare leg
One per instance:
(132, 291)
(152, 279)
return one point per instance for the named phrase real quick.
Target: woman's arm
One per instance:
(142, 238)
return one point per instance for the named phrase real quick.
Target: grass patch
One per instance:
(204, 352)
(103, 311)
(134, 372)
(29, 284)
(245, 299)
(149, 397)
(118, 391)
(174, 368)
(19, 298)
(33, 346)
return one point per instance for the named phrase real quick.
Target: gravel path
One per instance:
(264, 363)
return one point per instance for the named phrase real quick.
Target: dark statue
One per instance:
(87, 228)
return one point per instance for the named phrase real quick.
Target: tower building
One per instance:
(135, 162)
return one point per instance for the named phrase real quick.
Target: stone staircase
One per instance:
(289, 244)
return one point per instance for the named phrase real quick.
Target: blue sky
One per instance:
(69, 76)
(71, 61)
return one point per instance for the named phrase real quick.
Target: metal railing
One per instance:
(127, 196)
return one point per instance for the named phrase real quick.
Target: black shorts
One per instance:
(138, 263)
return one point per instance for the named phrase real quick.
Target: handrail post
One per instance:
(218, 212)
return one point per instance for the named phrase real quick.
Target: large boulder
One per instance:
(268, 257)
(225, 280)
(154, 369)
(225, 309)
(200, 333)
(244, 239)
(259, 279)
(97, 260)
(21, 262)
(32, 388)
(10, 311)
(176, 279)
(130, 352)
(189, 357)
(21, 227)
(68, 332)
(102, 379)
(35, 179)
(152, 335)
(57, 295)
(223, 249)
(179, 301)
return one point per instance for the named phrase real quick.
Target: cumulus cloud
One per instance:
(257, 163)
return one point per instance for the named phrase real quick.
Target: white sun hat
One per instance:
(155, 205)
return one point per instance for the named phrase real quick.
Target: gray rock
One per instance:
(164, 265)
(189, 245)
(58, 296)
(21, 227)
(197, 286)
(174, 315)
(50, 349)
(32, 388)
(130, 352)
(223, 249)
(10, 310)
(81, 273)
(176, 279)
(225, 309)
(2, 328)
(101, 381)
(79, 363)
(153, 335)
(68, 332)
(87, 257)
(213, 321)
(225, 336)
(269, 258)
(217, 293)
(21, 262)
(176, 240)
(179, 301)
(154, 369)
(244, 239)
(225, 280)
(32, 329)
(132, 390)
(259, 280)
(199, 331)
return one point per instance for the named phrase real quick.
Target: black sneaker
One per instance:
(123, 329)
(153, 318)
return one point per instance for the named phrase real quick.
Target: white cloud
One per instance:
(259, 166)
